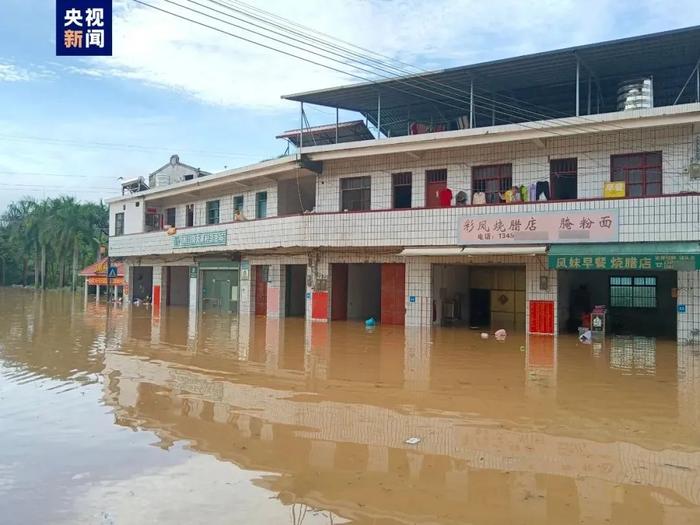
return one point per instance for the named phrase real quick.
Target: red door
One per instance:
(261, 290)
(339, 292)
(435, 180)
(542, 317)
(393, 293)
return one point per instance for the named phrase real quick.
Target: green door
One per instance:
(220, 290)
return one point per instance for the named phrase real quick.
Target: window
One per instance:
(170, 216)
(238, 203)
(189, 215)
(492, 181)
(153, 220)
(355, 193)
(402, 190)
(641, 173)
(261, 205)
(118, 224)
(563, 178)
(633, 292)
(189, 177)
(435, 182)
(213, 212)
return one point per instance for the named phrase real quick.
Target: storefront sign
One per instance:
(624, 262)
(527, 228)
(193, 272)
(198, 240)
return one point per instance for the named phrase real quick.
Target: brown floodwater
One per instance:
(114, 416)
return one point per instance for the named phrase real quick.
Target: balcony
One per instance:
(664, 218)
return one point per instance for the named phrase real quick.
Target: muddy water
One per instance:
(115, 416)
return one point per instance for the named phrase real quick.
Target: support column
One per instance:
(156, 291)
(471, 104)
(541, 285)
(419, 296)
(86, 289)
(128, 285)
(194, 302)
(276, 291)
(246, 304)
(379, 115)
(97, 293)
(116, 292)
(416, 364)
(688, 313)
(318, 290)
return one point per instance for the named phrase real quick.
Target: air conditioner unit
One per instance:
(694, 170)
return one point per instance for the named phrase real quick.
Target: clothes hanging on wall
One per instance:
(542, 189)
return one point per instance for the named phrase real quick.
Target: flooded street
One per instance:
(111, 416)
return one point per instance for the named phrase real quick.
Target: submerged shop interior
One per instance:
(637, 302)
(366, 290)
(476, 296)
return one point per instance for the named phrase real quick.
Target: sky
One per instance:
(74, 125)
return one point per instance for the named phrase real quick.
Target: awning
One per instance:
(626, 256)
(473, 251)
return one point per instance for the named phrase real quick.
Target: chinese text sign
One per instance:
(524, 228)
(83, 27)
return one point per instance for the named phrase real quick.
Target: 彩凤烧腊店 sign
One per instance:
(199, 240)
(532, 228)
(624, 262)
(83, 27)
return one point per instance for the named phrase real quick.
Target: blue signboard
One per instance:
(83, 27)
(681, 308)
(112, 272)
(411, 298)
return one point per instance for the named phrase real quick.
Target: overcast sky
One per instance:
(73, 125)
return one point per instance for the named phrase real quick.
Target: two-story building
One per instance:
(517, 193)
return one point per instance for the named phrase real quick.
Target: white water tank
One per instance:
(637, 93)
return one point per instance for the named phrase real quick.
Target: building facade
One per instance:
(524, 225)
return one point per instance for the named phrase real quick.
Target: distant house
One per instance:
(173, 172)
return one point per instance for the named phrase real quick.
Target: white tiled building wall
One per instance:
(689, 296)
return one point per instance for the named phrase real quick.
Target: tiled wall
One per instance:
(530, 161)
(689, 296)
(673, 218)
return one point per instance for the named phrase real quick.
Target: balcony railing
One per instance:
(664, 218)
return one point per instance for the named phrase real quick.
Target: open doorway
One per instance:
(356, 291)
(296, 195)
(479, 296)
(295, 290)
(178, 278)
(142, 286)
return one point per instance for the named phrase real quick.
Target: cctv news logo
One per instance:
(83, 27)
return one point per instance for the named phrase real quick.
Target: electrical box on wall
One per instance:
(694, 170)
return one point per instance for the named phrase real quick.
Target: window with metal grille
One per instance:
(238, 203)
(261, 205)
(641, 173)
(213, 212)
(436, 175)
(492, 180)
(402, 190)
(170, 216)
(355, 193)
(632, 292)
(189, 215)
(119, 224)
(563, 175)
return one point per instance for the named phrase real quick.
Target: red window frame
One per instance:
(623, 168)
(502, 174)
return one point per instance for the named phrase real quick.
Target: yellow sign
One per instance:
(614, 190)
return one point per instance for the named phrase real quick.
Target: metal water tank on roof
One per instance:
(637, 93)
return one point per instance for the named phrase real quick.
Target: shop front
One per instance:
(219, 291)
(637, 283)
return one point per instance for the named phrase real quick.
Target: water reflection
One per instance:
(532, 430)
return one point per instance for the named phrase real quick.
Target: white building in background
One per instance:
(411, 227)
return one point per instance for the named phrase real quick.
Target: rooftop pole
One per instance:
(379, 114)
(589, 94)
(336, 125)
(301, 127)
(697, 82)
(471, 103)
(578, 74)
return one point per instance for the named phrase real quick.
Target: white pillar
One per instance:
(86, 289)
(276, 291)
(97, 293)
(116, 292)
(194, 301)
(419, 299)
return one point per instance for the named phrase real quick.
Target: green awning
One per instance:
(683, 256)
